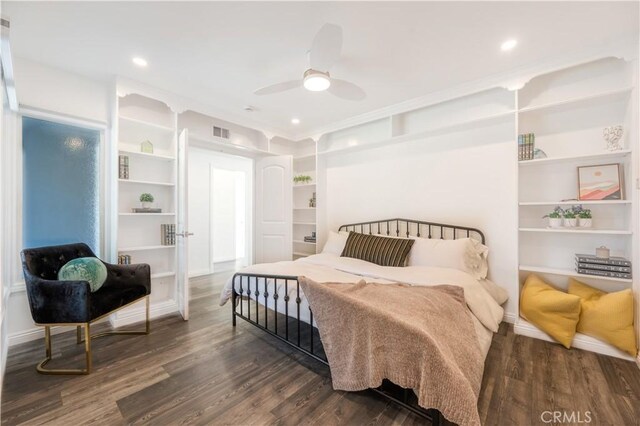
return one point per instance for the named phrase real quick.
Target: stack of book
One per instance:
(309, 239)
(526, 146)
(168, 234)
(614, 267)
(146, 210)
(124, 259)
(123, 167)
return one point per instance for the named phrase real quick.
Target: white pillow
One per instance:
(335, 242)
(464, 254)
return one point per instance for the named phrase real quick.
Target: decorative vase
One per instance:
(555, 222)
(584, 223)
(570, 223)
(145, 204)
(612, 136)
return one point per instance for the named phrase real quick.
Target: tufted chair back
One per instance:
(45, 262)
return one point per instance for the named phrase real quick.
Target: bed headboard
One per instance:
(414, 228)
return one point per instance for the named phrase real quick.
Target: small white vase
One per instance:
(584, 223)
(555, 222)
(570, 223)
(145, 204)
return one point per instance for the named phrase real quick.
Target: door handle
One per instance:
(184, 234)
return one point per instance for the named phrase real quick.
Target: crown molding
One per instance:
(626, 49)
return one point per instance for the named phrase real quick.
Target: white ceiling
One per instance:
(219, 53)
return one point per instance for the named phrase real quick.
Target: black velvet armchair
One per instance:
(55, 303)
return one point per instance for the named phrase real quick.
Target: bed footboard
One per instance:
(270, 312)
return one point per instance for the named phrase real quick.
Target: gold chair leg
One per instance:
(78, 334)
(48, 354)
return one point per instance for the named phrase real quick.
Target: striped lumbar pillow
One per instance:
(382, 251)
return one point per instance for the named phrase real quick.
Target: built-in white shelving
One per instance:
(304, 214)
(142, 119)
(567, 111)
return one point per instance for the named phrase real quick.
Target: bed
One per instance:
(269, 296)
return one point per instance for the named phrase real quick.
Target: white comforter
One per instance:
(327, 267)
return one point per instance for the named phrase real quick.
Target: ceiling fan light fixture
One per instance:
(316, 81)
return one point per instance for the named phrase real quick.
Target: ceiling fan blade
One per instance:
(326, 47)
(279, 87)
(346, 90)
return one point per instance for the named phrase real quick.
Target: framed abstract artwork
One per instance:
(601, 182)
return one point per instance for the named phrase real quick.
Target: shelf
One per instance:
(574, 202)
(580, 341)
(147, 124)
(436, 131)
(581, 99)
(304, 208)
(303, 242)
(578, 231)
(144, 182)
(146, 214)
(146, 155)
(230, 146)
(143, 248)
(163, 274)
(304, 223)
(301, 254)
(304, 185)
(603, 156)
(569, 273)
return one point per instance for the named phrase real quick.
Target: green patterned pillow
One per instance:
(89, 269)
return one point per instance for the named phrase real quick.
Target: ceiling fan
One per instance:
(324, 53)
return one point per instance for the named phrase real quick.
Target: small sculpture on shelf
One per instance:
(312, 201)
(146, 147)
(612, 135)
(539, 154)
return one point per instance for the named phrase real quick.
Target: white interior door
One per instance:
(182, 227)
(273, 209)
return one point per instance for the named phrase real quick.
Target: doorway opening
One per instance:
(220, 211)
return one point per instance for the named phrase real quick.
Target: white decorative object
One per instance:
(612, 136)
(584, 223)
(555, 222)
(570, 222)
(602, 252)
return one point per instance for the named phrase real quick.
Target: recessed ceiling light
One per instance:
(508, 45)
(141, 62)
(295, 120)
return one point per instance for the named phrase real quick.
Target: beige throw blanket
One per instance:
(421, 338)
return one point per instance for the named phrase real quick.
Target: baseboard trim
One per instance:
(126, 317)
(581, 341)
(509, 318)
(137, 313)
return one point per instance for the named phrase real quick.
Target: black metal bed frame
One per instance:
(292, 333)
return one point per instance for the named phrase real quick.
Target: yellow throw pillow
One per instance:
(606, 316)
(553, 311)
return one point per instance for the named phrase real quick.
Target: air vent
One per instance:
(219, 132)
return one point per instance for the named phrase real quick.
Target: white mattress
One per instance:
(486, 313)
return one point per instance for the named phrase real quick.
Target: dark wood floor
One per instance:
(205, 372)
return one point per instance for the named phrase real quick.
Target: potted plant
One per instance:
(301, 179)
(555, 217)
(584, 216)
(570, 219)
(145, 200)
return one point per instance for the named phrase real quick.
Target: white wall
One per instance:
(468, 178)
(212, 208)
